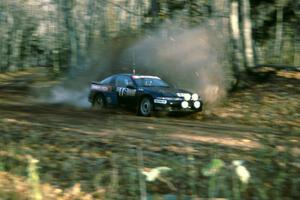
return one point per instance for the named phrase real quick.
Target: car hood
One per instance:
(164, 91)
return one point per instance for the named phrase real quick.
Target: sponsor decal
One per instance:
(160, 101)
(101, 88)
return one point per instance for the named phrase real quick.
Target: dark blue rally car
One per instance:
(146, 93)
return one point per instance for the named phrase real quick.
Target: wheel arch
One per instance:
(143, 96)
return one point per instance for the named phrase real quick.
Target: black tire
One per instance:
(146, 107)
(99, 102)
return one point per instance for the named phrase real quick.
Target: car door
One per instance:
(126, 90)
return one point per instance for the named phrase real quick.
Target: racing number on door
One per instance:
(125, 91)
(122, 91)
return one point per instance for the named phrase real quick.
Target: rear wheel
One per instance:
(146, 107)
(99, 102)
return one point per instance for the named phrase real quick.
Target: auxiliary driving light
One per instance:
(187, 97)
(184, 104)
(197, 104)
(195, 97)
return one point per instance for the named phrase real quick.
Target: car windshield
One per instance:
(107, 80)
(150, 82)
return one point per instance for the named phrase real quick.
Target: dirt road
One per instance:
(19, 107)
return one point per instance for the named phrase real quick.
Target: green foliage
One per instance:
(33, 178)
(213, 167)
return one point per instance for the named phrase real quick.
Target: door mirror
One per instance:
(130, 87)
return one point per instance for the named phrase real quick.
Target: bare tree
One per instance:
(296, 61)
(66, 9)
(247, 34)
(238, 61)
(279, 29)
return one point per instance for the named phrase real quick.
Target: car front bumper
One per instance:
(176, 106)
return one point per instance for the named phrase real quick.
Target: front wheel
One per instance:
(146, 107)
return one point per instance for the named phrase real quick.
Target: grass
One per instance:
(79, 169)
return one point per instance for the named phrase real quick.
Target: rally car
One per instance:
(145, 93)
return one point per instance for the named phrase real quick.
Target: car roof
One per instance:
(123, 74)
(130, 74)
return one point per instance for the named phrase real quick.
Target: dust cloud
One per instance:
(73, 88)
(193, 59)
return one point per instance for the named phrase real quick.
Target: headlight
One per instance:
(197, 104)
(195, 97)
(184, 104)
(187, 97)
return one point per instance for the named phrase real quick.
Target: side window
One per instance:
(123, 81)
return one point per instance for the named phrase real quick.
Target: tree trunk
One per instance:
(297, 49)
(16, 50)
(90, 25)
(104, 23)
(238, 63)
(220, 10)
(73, 40)
(279, 27)
(247, 34)
(297, 36)
(154, 11)
(4, 41)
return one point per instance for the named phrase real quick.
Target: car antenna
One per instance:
(133, 62)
